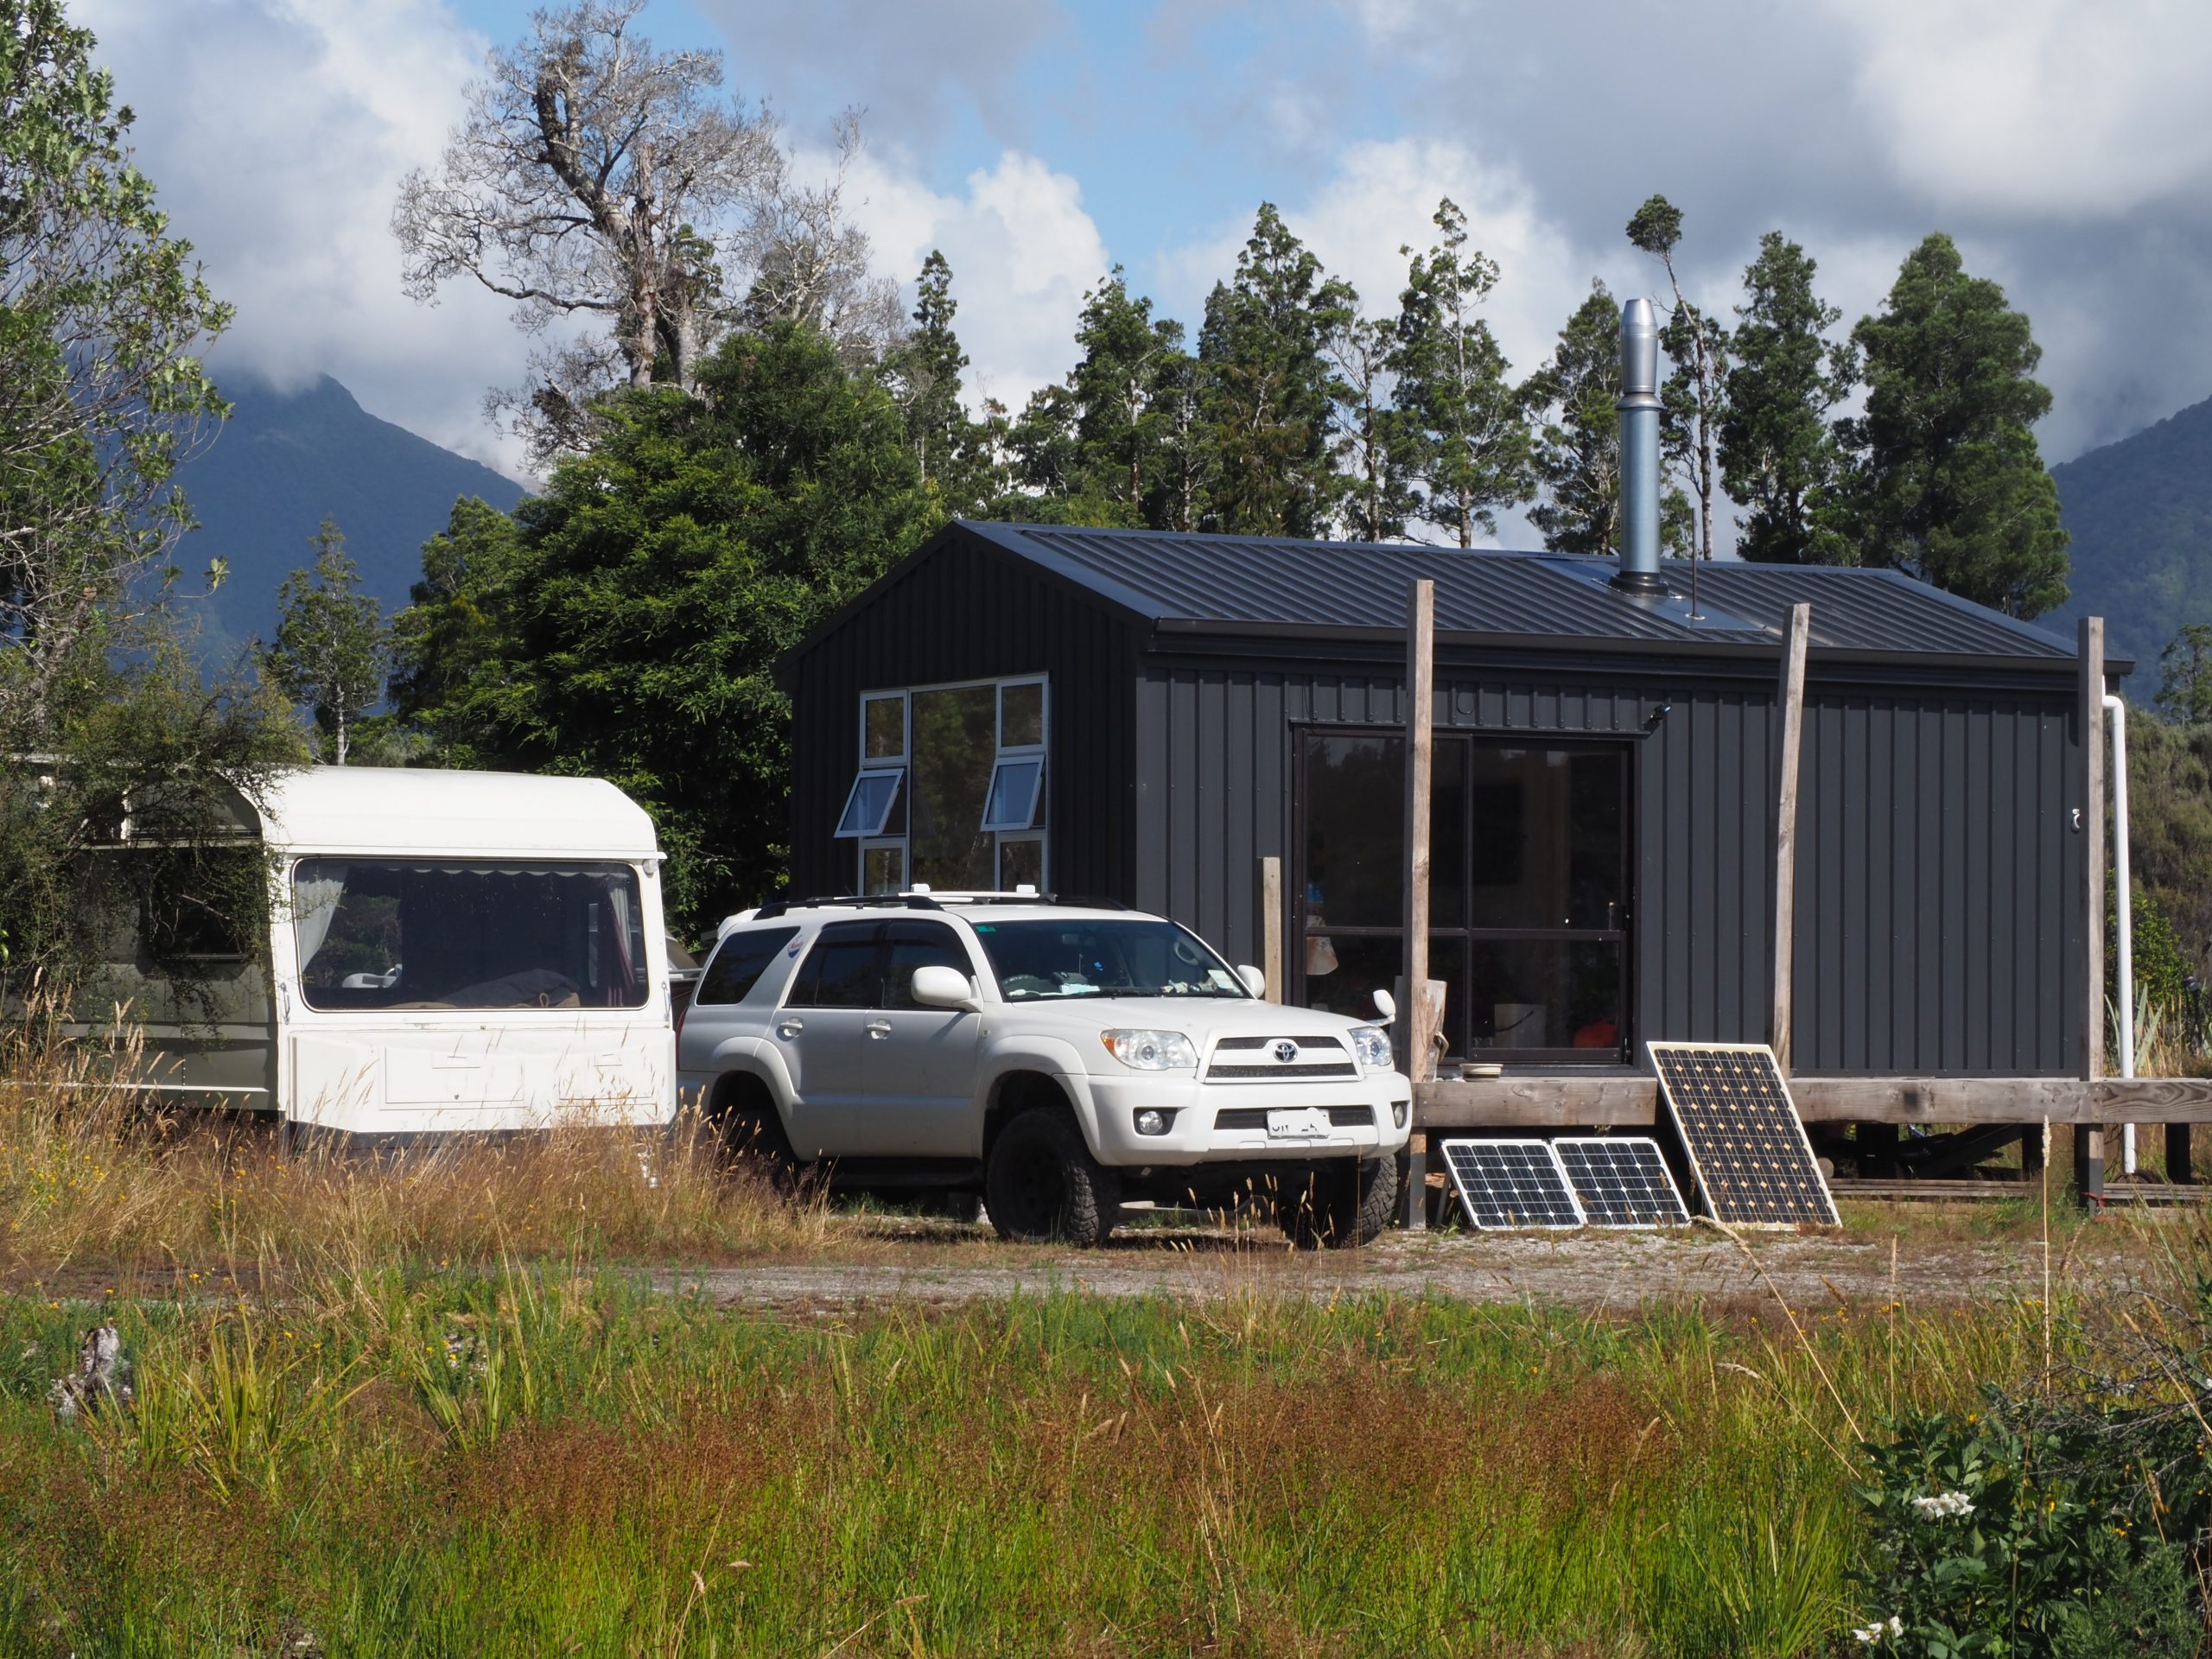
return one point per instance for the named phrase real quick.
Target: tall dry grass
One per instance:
(96, 1173)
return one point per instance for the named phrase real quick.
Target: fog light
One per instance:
(1398, 1110)
(1153, 1122)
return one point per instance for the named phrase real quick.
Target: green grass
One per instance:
(529, 1463)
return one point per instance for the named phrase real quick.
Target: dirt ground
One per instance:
(1617, 1271)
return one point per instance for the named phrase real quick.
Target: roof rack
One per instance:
(928, 898)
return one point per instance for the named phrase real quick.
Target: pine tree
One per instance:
(1472, 449)
(1778, 452)
(1952, 487)
(1695, 394)
(1375, 444)
(1264, 388)
(331, 650)
(1578, 449)
(2185, 675)
(924, 375)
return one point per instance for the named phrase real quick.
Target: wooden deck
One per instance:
(1627, 1100)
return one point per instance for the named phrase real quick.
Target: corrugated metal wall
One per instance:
(966, 613)
(1937, 928)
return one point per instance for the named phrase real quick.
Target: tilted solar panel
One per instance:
(1621, 1180)
(1506, 1184)
(1747, 1147)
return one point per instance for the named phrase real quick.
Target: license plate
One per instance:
(1302, 1123)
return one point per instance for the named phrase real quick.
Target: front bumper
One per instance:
(1200, 1134)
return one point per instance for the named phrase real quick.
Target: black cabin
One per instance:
(1146, 717)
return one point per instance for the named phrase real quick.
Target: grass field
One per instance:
(537, 1462)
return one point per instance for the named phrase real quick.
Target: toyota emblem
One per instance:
(1286, 1052)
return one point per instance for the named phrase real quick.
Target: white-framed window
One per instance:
(950, 788)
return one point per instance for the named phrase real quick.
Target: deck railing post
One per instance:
(1781, 878)
(1271, 927)
(1416, 1019)
(2088, 1139)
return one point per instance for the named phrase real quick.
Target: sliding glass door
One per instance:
(1529, 890)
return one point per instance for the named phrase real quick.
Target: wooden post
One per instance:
(1783, 876)
(2088, 1140)
(1416, 1019)
(1271, 927)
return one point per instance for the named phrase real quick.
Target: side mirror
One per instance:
(936, 987)
(1254, 981)
(1387, 1006)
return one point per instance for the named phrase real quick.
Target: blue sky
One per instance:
(1037, 143)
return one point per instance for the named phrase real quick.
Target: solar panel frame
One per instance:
(1537, 1153)
(1673, 1212)
(1676, 1065)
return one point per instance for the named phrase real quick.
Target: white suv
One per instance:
(1056, 1058)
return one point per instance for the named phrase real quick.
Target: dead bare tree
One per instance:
(595, 177)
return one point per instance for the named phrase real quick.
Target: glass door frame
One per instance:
(1466, 937)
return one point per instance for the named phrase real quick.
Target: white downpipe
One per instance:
(2124, 899)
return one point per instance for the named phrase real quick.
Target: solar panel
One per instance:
(1505, 1184)
(1621, 1180)
(1746, 1145)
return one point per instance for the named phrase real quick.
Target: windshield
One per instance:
(1034, 960)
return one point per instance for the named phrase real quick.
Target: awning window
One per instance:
(1015, 784)
(869, 809)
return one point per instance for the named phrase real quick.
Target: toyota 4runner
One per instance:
(1056, 1059)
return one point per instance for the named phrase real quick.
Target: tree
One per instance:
(1778, 452)
(634, 619)
(1952, 488)
(447, 632)
(1694, 397)
(924, 375)
(331, 652)
(2185, 675)
(594, 176)
(101, 316)
(1375, 444)
(1578, 447)
(1264, 389)
(1471, 454)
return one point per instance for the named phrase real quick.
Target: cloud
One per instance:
(277, 132)
(911, 67)
(1023, 252)
(2040, 109)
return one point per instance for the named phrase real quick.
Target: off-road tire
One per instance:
(1340, 1204)
(752, 1140)
(1041, 1185)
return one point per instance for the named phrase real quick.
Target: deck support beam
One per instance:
(2088, 1140)
(1416, 1017)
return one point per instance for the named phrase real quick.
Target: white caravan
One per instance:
(448, 951)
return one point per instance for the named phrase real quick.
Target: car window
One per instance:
(920, 945)
(841, 971)
(739, 962)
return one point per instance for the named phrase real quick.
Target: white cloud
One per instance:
(2040, 108)
(277, 132)
(1023, 252)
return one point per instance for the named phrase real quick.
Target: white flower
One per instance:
(1943, 1506)
(1880, 1629)
(1897, 1625)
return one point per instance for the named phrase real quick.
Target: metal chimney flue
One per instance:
(1639, 412)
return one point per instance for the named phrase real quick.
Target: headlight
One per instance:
(1151, 1051)
(1370, 1046)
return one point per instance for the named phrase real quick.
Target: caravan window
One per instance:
(407, 933)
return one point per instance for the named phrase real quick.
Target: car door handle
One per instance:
(879, 1027)
(789, 1027)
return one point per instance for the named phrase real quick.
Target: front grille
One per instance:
(1256, 1117)
(1291, 1073)
(1321, 1055)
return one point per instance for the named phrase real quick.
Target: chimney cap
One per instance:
(1639, 349)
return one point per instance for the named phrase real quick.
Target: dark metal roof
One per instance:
(1248, 584)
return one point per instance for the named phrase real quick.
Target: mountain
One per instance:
(2140, 512)
(285, 460)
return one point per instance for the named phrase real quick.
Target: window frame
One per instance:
(871, 830)
(1035, 828)
(1460, 931)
